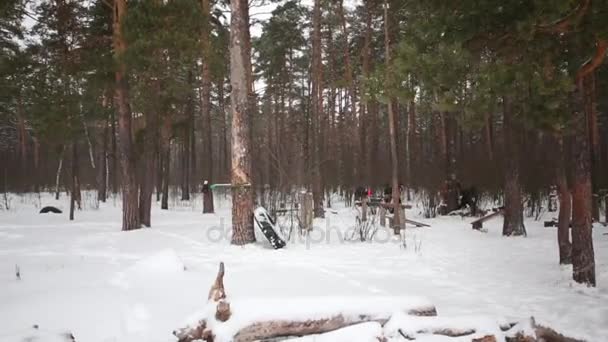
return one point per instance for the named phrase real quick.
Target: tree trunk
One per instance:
(75, 187)
(185, 159)
(513, 214)
(22, 141)
(114, 168)
(392, 131)
(364, 111)
(409, 143)
(159, 169)
(102, 172)
(583, 259)
(206, 95)
(565, 207)
(149, 164)
(36, 170)
(164, 202)
(58, 174)
(592, 118)
(351, 116)
(488, 136)
(130, 205)
(242, 190)
(317, 112)
(166, 158)
(225, 167)
(206, 108)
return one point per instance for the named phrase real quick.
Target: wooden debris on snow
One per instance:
(409, 318)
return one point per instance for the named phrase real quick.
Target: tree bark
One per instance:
(317, 112)
(130, 205)
(102, 172)
(206, 106)
(392, 130)
(513, 214)
(114, 154)
(149, 164)
(565, 207)
(364, 111)
(583, 259)
(242, 190)
(206, 93)
(58, 174)
(592, 118)
(224, 166)
(410, 141)
(185, 159)
(22, 140)
(75, 187)
(351, 116)
(488, 137)
(166, 158)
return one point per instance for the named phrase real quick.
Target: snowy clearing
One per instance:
(90, 279)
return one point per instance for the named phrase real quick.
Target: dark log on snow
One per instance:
(50, 209)
(478, 224)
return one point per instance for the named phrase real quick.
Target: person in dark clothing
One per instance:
(388, 193)
(468, 199)
(360, 193)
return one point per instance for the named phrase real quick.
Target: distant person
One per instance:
(360, 193)
(468, 199)
(388, 196)
(388, 193)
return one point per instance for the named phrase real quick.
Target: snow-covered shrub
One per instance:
(365, 230)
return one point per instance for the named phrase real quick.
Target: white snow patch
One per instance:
(164, 264)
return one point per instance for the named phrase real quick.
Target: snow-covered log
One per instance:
(474, 329)
(266, 318)
(327, 318)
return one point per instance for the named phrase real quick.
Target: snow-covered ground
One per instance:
(88, 278)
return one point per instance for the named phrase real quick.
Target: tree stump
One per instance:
(305, 214)
(207, 199)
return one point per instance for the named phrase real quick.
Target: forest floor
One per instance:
(88, 278)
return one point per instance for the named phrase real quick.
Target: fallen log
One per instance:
(364, 332)
(475, 329)
(262, 319)
(411, 318)
(478, 224)
(278, 329)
